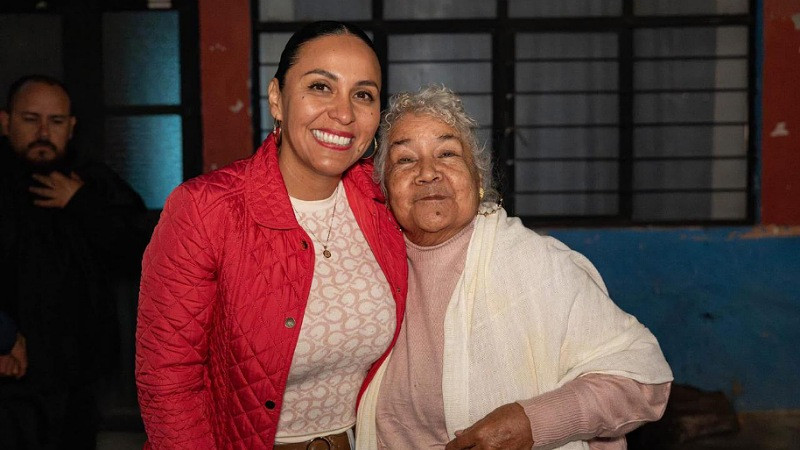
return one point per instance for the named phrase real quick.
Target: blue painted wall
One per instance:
(723, 302)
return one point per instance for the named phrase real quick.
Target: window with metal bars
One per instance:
(133, 74)
(598, 112)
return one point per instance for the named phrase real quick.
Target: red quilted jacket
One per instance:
(226, 268)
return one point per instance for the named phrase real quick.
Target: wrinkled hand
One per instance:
(15, 364)
(57, 189)
(507, 427)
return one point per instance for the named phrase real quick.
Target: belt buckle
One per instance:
(325, 444)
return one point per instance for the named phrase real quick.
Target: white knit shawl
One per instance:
(527, 315)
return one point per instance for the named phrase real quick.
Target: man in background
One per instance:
(64, 227)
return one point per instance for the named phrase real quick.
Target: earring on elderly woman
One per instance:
(276, 131)
(490, 207)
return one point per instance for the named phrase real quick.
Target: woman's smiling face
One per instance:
(329, 108)
(431, 179)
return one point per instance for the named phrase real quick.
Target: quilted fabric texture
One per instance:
(226, 267)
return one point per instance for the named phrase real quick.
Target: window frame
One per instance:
(503, 30)
(83, 72)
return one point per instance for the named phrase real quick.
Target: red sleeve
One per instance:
(594, 405)
(175, 303)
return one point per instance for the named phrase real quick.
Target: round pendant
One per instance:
(326, 253)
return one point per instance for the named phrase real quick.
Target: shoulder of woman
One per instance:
(361, 177)
(208, 188)
(511, 236)
(531, 251)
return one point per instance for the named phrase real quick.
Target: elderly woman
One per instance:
(510, 339)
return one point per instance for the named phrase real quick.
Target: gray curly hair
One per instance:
(443, 104)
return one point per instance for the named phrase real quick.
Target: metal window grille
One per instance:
(601, 112)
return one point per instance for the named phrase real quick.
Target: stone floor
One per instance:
(772, 430)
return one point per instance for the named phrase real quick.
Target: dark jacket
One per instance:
(55, 266)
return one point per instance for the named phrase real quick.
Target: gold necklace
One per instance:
(325, 252)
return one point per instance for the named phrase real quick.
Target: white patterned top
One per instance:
(348, 324)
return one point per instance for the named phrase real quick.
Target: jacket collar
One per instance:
(265, 191)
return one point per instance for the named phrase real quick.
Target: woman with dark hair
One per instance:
(272, 287)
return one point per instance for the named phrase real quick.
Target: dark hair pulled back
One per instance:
(310, 32)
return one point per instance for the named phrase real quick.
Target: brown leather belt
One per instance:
(329, 442)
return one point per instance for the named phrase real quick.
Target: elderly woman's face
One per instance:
(431, 179)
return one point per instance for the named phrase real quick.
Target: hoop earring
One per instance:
(481, 192)
(369, 154)
(276, 131)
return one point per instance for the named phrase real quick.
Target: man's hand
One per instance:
(20, 352)
(507, 427)
(15, 364)
(9, 366)
(57, 189)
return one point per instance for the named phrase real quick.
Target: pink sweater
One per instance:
(410, 412)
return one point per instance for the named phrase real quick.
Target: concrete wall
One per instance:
(780, 100)
(723, 302)
(225, 81)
